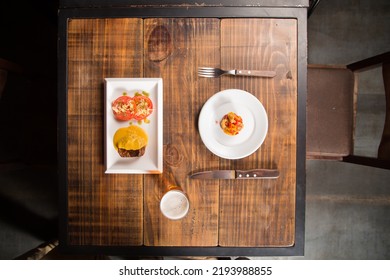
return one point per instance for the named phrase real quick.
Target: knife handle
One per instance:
(257, 174)
(257, 73)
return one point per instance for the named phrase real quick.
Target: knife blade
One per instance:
(237, 174)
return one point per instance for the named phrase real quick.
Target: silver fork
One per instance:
(210, 72)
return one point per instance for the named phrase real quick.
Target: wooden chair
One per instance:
(331, 112)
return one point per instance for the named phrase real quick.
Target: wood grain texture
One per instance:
(102, 209)
(124, 209)
(262, 212)
(193, 42)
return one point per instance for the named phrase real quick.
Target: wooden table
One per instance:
(119, 213)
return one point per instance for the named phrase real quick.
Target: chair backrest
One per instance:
(331, 112)
(384, 146)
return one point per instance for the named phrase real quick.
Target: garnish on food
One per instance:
(231, 124)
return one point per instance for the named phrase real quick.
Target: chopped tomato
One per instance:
(144, 107)
(231, 124)
(124, 108)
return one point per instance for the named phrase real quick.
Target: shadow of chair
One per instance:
(331, 112)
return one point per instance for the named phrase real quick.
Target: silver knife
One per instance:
(237, 174)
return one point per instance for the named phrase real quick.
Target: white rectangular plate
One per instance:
(151, 162)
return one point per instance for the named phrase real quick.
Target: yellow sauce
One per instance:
(130, 138)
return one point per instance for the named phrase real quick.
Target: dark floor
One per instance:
(28, 107)
(28, 127)
(348, 206)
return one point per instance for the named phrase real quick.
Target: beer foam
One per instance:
(174, 205)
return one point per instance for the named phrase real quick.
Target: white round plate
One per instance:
(254, 118)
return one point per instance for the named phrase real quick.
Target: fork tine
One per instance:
(206, 72)
(203, 72)
(205, 75)
(206, 68)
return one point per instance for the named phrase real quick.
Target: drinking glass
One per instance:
(174, 204)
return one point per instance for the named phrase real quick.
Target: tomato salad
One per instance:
(231, 124)
(127, 108)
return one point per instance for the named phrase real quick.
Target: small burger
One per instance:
(130, 141)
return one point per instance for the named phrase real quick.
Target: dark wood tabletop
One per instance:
(117, 212)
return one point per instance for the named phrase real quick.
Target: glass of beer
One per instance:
(174, 204)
